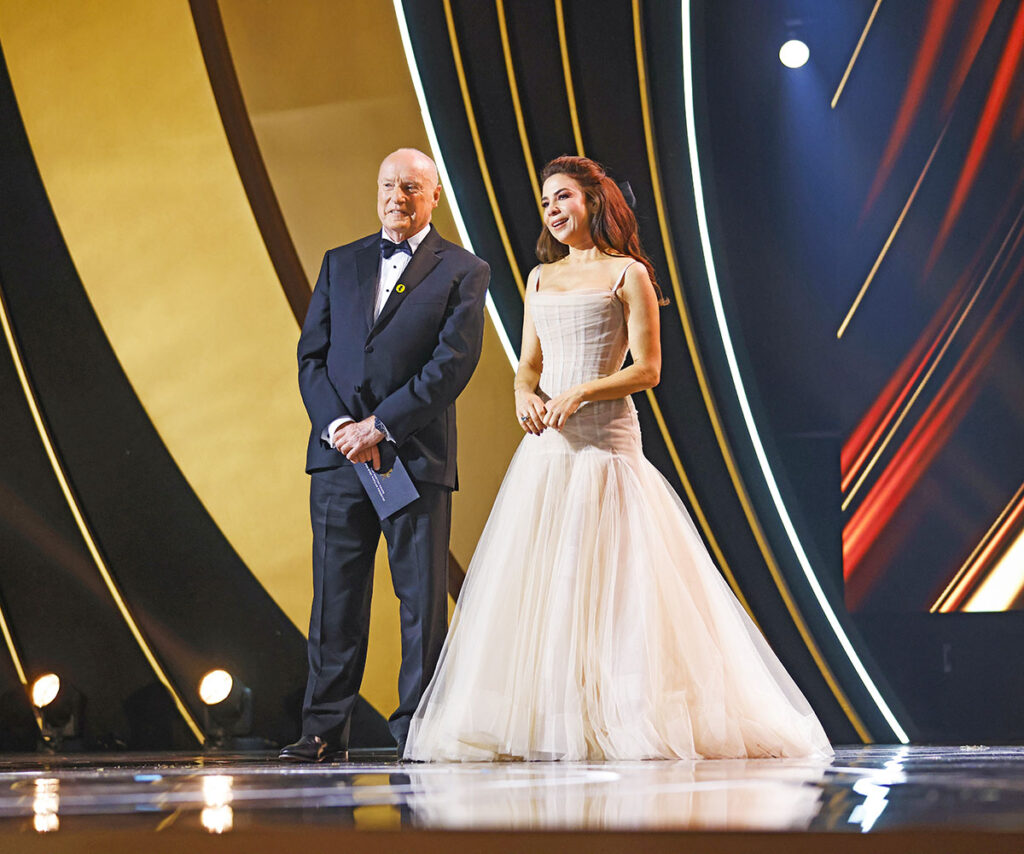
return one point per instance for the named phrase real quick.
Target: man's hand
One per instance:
(358, 441)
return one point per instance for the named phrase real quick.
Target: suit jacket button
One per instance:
(358, 389)
(368, 348)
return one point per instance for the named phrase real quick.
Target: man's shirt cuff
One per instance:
(331, 429)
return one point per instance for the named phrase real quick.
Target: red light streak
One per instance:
(926, 439)
(983, 134)
(924, 63)
(859, 446)
(979, 29)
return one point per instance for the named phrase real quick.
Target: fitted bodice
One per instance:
(582, 338)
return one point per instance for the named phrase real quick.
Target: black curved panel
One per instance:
(545, 105)
(480, 45)
(602, 53)
(431, 45)
(54, 600)
(56, 605)
(533, 39)
(603, 48)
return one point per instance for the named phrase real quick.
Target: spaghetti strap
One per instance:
(622, 276)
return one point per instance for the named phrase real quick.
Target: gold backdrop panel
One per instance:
(122, 121)
(329, 94)
(124, 128)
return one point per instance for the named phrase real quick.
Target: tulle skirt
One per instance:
(594, 625)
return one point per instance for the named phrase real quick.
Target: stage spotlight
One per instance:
(58, 710)
(227, 711)
(215, 687)
(45, 690)
(794, 53)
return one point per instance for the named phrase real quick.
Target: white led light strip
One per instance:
(730, 355)
(435, 150)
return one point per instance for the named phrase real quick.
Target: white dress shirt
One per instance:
(391, 270)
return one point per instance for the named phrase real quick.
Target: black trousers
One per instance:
(346, 532)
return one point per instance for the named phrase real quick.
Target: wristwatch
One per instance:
(379, 425)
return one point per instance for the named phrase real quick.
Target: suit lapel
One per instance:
(426, 257)
(367, 271)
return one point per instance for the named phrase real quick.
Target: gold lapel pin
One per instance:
(400, 289)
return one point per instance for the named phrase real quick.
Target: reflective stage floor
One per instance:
(868, 799)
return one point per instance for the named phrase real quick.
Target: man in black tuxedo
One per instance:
(392, 335)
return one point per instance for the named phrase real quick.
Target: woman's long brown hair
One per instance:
(613, 226)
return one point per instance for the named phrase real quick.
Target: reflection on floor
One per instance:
(862, 789)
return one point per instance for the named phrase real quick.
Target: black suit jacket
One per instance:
(408, 366)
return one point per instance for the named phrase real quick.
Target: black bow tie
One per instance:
(387, 248)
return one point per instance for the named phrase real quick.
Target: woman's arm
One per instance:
(531, 361)
(644, 330)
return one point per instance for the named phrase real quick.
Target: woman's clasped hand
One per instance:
(535, 415)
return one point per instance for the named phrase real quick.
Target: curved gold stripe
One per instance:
(691, 494)
(727, 456)
(83, 526)
(513, 89)
(499, 221)
(570, 91)
(9, 640)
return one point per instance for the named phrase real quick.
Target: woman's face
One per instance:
(565, 210)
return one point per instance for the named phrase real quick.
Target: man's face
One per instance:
(407, 193)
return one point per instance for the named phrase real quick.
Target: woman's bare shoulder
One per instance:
(636, 283)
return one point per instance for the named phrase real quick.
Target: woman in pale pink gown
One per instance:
(592, 623)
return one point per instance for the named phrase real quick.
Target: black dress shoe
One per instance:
(313, 748)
